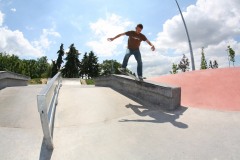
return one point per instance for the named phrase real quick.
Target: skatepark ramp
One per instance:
(144, 92)
(47, 101)
(8, 79)
(216, 89)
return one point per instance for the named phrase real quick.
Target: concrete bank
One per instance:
(146, 92)
(8, 79)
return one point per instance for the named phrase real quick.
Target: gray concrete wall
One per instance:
(8, 79)
(147, 93)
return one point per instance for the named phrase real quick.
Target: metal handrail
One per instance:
(47, 101)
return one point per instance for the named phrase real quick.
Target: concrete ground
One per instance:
(20, 127)
(71, 81)
(99, 123)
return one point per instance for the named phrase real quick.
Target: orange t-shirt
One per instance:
(135, 39)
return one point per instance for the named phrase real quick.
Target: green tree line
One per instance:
(39, 68)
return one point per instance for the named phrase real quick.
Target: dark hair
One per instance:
(140, 26)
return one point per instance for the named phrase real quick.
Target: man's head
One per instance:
(139, 28)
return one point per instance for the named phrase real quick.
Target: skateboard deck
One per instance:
(130, 75)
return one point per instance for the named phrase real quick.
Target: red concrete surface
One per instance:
(211, 89)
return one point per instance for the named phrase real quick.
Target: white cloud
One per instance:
(1, 18)
(14, 42)
(44, 42)
(211, 24)
(13, 9)
(107, 28)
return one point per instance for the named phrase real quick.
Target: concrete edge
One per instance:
(8, 79)
(154, 94)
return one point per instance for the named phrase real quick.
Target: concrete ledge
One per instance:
(147, 93)
(8, 79)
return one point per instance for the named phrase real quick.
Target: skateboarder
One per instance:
(134, 41)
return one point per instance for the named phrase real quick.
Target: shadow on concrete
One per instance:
(159, 116)
(45, 153)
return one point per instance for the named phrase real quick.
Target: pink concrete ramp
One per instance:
(210, 89)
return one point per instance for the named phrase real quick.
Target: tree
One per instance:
(231, 54)
(42, 67)
(60, 57)
(93, 67)
(203, 60)
(84, 66)
(32, 68)
(54, 68)
(215, 64)
(109, 67)
(174, 69)
(210, 65)
(184, 64)
(89, 66)
(72, 66)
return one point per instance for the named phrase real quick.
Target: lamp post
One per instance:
(189, 41)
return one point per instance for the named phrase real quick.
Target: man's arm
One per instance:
(119, 35)
(152, 46)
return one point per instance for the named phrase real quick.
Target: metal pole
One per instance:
(189, 41)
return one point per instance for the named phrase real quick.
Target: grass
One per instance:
(37, 81)
(90, 81)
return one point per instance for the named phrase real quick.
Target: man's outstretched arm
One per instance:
(152, 46)
(119, 35)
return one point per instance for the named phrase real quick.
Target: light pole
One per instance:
(189, 41)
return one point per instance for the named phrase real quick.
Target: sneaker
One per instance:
(140, 78)
(122, 70)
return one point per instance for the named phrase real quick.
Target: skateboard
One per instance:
(131, 75)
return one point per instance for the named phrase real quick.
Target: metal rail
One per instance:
(47, 101)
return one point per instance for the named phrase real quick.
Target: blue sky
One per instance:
(35, 28)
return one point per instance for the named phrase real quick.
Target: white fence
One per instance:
(47, 101)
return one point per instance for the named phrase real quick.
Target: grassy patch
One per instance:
(37, 81)
(90, 81)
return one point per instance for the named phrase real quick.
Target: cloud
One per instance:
(14, 42)
(13, 9)
(212, 24)
(107, 28)
(1, 18)
(44, 42)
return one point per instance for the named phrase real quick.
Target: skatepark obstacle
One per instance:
(47, 101)
(8, 79)
(147, 93)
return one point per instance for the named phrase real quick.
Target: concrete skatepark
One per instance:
(94, 122)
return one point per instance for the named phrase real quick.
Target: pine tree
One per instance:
(215, 64)
(72, 66)
(210, 65)
(174, 69)
(60, 57)
(184, 64)
(54, 68)
(231, 54)
(89, 66)
(84, 66)
(203, 60)
(93, 65)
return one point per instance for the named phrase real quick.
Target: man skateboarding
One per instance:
(134, 41)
